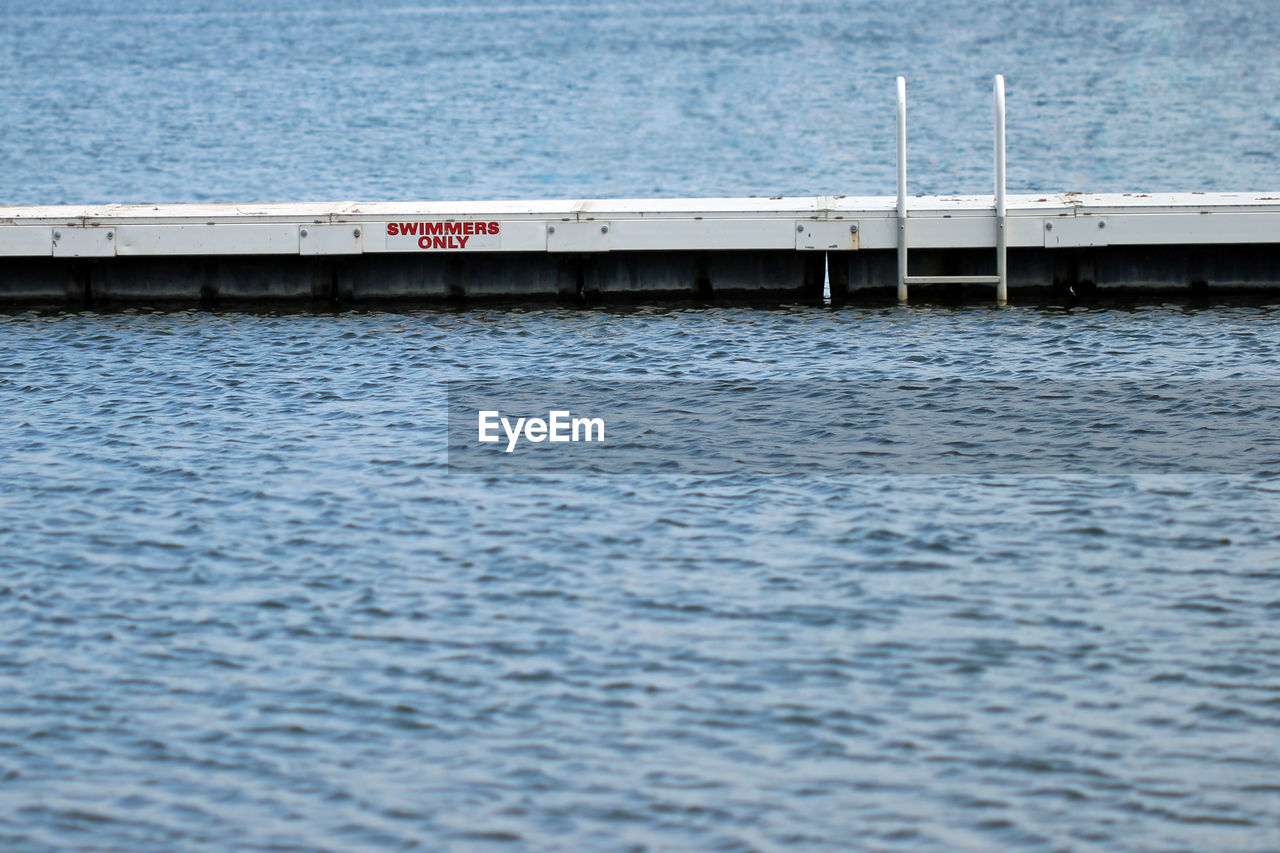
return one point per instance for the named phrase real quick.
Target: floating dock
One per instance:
(1051, 245)
(1063, 244)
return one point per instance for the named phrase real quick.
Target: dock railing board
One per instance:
(1070, 243)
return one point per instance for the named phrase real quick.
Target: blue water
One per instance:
(246, 603)
(343, 99)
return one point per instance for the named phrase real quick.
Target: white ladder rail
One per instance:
(902, 189)
(1002, 268)
(1001, 278)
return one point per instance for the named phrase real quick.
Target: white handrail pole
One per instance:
(902, 189)
(1002, 269)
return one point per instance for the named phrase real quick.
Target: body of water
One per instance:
(250, 599)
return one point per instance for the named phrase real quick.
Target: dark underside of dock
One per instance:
(1035, 275)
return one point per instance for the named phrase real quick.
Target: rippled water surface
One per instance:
(346, 99)
(247, 603)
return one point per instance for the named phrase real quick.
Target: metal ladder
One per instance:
(1001, 278)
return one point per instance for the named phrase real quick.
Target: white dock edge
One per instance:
(822, 223)
(601, 249)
